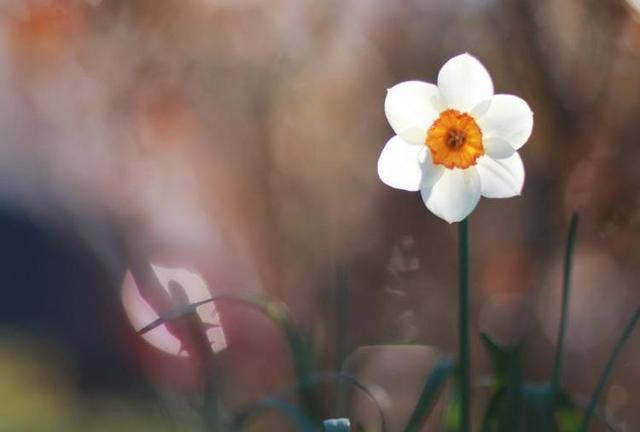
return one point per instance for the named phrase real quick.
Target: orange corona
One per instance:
(455, 140)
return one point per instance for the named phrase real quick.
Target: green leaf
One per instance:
(556, 377)
(495, 408)
(299, 350)
(505, 360)
(568, 416)
(538, 403)
(626, 333)
(320, 378)
(430, 392)
(505, 406)
(278, 313)
(337, 425)
(422, 357)
(452, 413)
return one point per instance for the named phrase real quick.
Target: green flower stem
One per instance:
(212, 414)
(464, 304)
(556, 378)
(607, 370)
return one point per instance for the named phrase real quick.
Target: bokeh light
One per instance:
(141, 314)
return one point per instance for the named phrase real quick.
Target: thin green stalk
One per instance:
(279, 315)
(429, 395)
(607, 370)
(212, 415)
(315, 379)
(566, 290)
(464, 305)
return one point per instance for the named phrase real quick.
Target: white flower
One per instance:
(455, 141)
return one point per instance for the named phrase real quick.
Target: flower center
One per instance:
(455, 140)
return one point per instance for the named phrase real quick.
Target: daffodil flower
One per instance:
(455, 141)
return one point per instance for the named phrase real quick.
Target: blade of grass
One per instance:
(495, 407)
(538, 404)
(324, 377)
(556, 377)
(451, 418)
(501, 358)
(279, 315)
(567, 416)
(601, 414)
(512, 417)
(566, 288)
(628, 330)
(429, 394)
(191, 332)
(464, 306)
(505, 412)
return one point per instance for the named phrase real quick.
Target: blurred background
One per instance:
(235, 143)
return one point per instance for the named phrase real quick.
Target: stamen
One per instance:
(456, 139)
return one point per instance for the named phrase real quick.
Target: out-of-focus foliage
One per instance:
(37, 394)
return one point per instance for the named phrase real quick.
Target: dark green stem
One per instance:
(556, 378)
(464, 304)
(607, 370)
(212, 417)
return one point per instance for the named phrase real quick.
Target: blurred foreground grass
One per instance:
(38, 394)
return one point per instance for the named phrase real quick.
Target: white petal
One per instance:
(399, 164)
(454, 196)
(509, 118)
(430, 173)
(414, 135)
(501, 178)
(498, 148)
(407, 166)
(464, 83)
(411, 104)
(480, 109)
